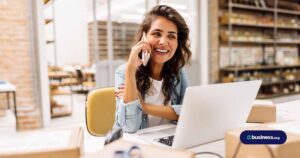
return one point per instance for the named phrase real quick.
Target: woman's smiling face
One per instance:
(162, 37)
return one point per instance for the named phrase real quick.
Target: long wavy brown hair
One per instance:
(171, 68)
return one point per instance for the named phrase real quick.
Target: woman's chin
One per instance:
(160, 60)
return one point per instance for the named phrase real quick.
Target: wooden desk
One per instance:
(285, 112)
(6, 87)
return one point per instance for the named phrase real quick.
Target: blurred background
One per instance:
(53, 52)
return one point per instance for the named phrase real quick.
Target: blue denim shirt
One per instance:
(129, 116)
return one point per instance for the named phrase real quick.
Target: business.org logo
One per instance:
(263, 137)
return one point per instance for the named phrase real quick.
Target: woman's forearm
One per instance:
(166, 112)
(130, 90)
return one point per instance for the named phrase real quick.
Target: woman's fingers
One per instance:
(118, 94)
(142, 46)
(120, 90)
(134, 60)
(145, 46)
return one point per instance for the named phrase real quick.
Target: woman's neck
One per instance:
(156, 71)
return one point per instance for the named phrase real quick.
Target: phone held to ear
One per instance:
(145, 54)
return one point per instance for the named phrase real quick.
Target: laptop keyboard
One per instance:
(166, 140)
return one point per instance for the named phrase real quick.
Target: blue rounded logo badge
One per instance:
(263, 137)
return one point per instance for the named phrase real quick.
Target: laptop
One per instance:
(207, 113)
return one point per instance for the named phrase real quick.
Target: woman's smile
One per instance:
(160, 51)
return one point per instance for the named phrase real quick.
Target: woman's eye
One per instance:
(156, 34)
(172, 37)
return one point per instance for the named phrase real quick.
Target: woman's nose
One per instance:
(163, 41)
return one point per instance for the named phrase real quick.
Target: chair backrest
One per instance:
(100, 111)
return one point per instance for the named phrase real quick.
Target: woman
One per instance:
(151, 95)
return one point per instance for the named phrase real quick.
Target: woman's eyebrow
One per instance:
(157, 30)
(172, 32)
(169, 32)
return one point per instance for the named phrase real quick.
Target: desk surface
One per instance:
(288, 111)
(7, 87)
(216, 146)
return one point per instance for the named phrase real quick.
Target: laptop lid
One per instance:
(209, 111)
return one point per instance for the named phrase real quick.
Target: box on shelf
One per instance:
(262, 111)
(289, 149)
(287, 56)
(61, 110)
(66, 143)
(240, 56)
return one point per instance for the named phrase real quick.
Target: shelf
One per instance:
(60, 92)
(241, 6)
(54, 85)
(290, 81)
(50, 41)
(253, 68)
(268, 96)
(47, 21)
(262, 42)
(262, 26)
(270, 34)
(282, 42)
(249, 25)
(289, 27)
(89, 84)
(122, 45)
(270, 83)
(288, 12)
(253, 42)
(280, 82)
(247, 7)
(46, 1)
(58, 74)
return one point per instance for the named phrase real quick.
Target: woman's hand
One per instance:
(134, 60)
(130, 91)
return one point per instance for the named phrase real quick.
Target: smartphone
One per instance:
(145, 54)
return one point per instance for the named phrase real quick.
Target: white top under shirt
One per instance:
(155, 96)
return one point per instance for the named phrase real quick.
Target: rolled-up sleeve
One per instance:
(181, 87)
(177, 108)
(128, 115)
(184, 84)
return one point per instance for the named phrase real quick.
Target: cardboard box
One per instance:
(262, 111)
(290, 149)
(63, 143)
(148, 151)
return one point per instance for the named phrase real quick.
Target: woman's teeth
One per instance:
(162, 51)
